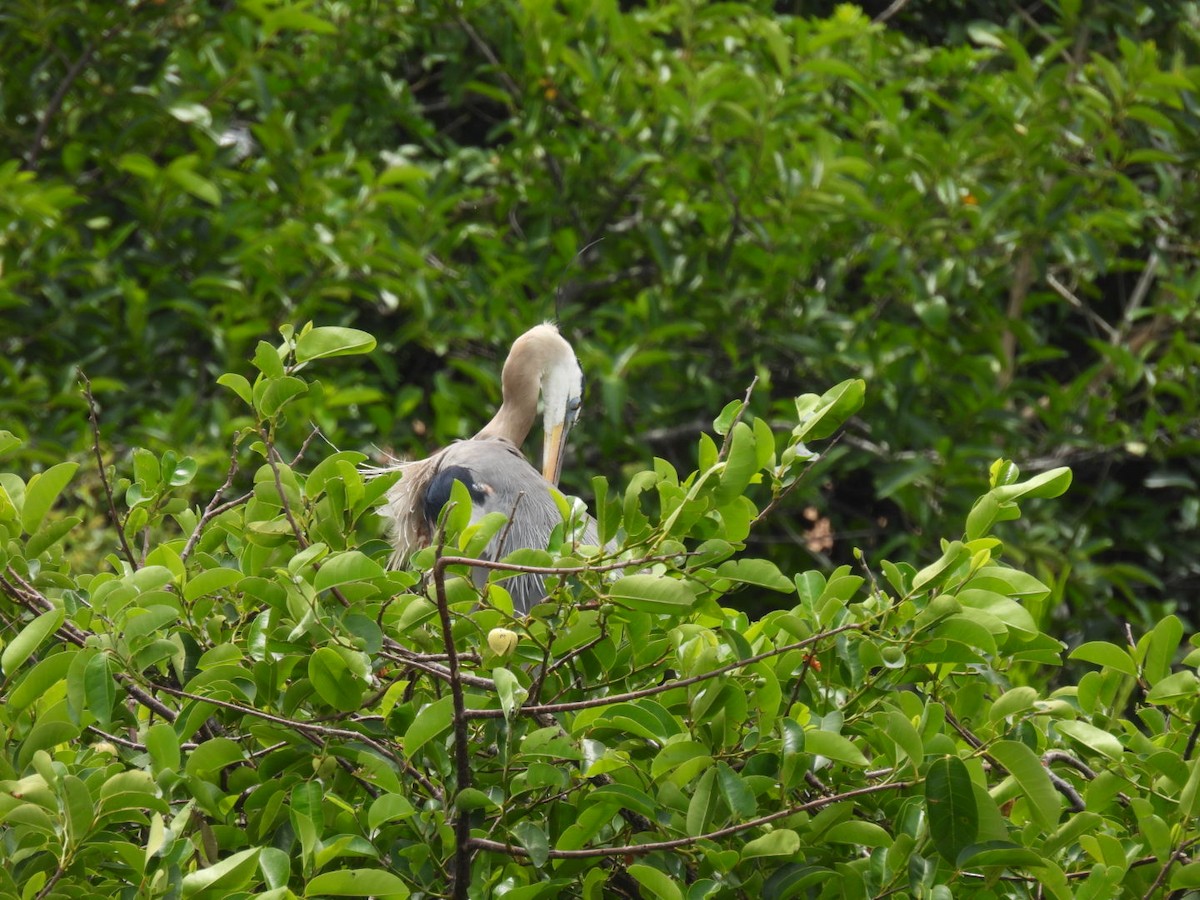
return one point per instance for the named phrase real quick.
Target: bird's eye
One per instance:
(574, 403)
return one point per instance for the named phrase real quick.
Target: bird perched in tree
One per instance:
(492, 468)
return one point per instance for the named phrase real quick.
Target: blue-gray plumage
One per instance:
(490, 465)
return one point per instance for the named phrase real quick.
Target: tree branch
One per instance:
(112, 506)
(737, 418)
(215, 507)
(653, 847)
(665, 686)
(462, 759)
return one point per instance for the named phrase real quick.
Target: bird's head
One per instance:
(562, 399)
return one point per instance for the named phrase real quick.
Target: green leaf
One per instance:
(345, 568)
(267, 361)
(1004, 854)
(758, 572)
(192, 182)
(356, 883)
(431, 721)
(723, 422)
(8, 441)
(389, 808)
(41, 492)
(1189, 797)
(950, 805)
(99, 688)
(212, 756)
(738, 796)
(652, 594)
(655, 882)
(1180, 686)
(833, 746)
(138, 164)
(30, 638)
(702, 804)
(780, 842)
(1047, 485)
(1027, 770)
(982, 516)
(740, 465)
(78, 807)
(533, 839)
(861, 834)
(209, 582)
(1092, 737)
(897, 727)
(40, 680)
(822, 416)
(954, 553)
(333, 680)
(162, 743)
(1158, 649)
(1105, 654)
(1012, 702)
(272, 394)
(320, 343)
(511, 692)
(228, 876)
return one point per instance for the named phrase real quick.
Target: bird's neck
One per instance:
(511, 422)
(514, 418)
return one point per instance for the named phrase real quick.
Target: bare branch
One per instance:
(215, 507)
(1141, 289)
(1063, 291)
(891, 11)
(112, 506)
(52, 108)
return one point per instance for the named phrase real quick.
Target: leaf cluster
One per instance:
(244, 701)
(984, 210)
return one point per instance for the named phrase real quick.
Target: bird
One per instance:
(493, 469)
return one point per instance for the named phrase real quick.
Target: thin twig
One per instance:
(53, 880)
(891, 11)
(783, 495)
(273, 460)
(732, 425)
(55, 104)
(112, 506)
(304, 446)
(1063, 291)
(295, 724)
(1140, 289)
(512, 517)
(475, 562)
(215, 507)
(667, 685)
(1152, 891)
(642, 849)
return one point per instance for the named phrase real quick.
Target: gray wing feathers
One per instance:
(504, 482)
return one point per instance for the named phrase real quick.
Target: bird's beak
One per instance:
(554, 446)
(553, 449)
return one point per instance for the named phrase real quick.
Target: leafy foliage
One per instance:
(988, 215)
(244, 701)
